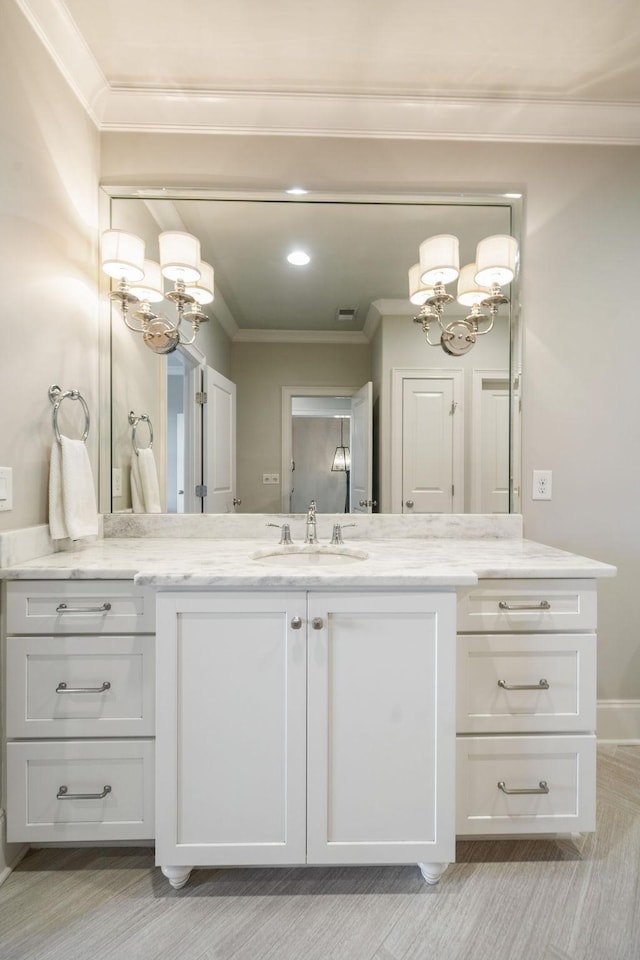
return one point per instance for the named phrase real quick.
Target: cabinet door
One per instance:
(231, 729)
(381, 728)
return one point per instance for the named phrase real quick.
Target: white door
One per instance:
(231, 729)
(431, 430)
(218, 443)
(490, 450)
(381, 740)
(362, 450)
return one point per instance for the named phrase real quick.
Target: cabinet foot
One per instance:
(177, 876)
(432, 872)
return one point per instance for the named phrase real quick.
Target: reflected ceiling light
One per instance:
(298, 258)
(140, 284)
(297, 191)
(479, 287)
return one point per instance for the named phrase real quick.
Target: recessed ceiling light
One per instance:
(297, 191)
(298, 258)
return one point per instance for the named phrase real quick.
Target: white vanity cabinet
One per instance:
(302, 727)
(526, 707)
(80, 705)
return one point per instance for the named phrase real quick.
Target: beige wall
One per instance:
(49, 161)
(260, 370)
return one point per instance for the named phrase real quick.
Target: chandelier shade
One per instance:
(496, 260)
(470, 292)
(202, 290)
(179, 256)
(439, 259)
(122, 255)
(150, 287)
(419, 292)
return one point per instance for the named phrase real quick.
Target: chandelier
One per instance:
(140, 283)
(479, 287)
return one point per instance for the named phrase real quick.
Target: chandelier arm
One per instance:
(480, 333)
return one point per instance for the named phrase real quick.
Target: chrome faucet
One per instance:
(336, 538)
(285, 532)
(311, 536)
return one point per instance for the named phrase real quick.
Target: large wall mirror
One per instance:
(304, 359)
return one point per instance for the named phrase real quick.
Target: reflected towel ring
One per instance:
(56, 396)
(134, 421)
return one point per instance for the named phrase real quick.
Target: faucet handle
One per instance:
(285, 532)
(336, 537)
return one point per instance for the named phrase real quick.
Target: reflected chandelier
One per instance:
(140, 284)
(479, 287)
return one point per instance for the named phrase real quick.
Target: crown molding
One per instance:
(342, 337)
(165, 110)
(58, 33)
(376, 117)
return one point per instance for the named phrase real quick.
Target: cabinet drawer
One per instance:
(80, 686)
(567, 765)
(526, 683)
(510, 606)
(79, 606)
(36, 772)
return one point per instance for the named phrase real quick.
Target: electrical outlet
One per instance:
(541, 485)
(271, 478)
(116, 482)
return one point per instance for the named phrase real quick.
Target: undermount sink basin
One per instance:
(309, 555)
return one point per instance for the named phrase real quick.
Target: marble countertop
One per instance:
(390, 562)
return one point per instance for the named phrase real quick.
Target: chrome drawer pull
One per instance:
(543, 605)
(63, 688)
(540, 685)
(542, 788)
(63, 794)
(63, 608)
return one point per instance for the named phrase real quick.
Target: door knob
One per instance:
(296, 623)
(408, 503)
(317, 623)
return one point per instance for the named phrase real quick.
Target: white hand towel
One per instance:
(137, 498)
(149, 480)
(72, 498)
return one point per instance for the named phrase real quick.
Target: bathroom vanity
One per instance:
(361, 704)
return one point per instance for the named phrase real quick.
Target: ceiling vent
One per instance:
(346, 313)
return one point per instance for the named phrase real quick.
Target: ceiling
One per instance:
(546, 71)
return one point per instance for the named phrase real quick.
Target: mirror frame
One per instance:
(514, 202)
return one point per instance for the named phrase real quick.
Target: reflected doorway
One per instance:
(317, 424)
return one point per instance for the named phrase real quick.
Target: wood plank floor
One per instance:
(502, 900)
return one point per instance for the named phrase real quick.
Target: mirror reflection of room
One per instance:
(445, 416)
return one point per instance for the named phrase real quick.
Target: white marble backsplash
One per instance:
(229, 526)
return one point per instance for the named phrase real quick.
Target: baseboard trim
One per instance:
(618, 721)
(10, 853)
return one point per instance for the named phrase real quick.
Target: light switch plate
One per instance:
(6, 488)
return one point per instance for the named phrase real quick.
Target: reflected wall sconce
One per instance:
(479, 287)
(140, 283)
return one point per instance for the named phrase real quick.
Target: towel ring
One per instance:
(134, 421)
(57, 396)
